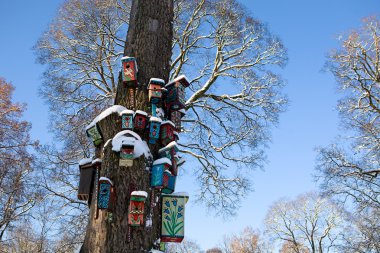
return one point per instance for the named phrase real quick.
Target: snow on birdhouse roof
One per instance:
(139, 193)
(97, 160)
(85, 161)
(167, 122)
(155, 251)
(141, 112)
(155, 119)
(105, 113)
(162, 160)
(178, 79)
(127, 57)
(168, 171)
(172, 144)
(126, 111)
(105, 179)
(131, 138)
(157, 80)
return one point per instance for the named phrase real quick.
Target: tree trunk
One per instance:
(149, 39)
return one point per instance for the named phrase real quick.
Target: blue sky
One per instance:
(308, 30)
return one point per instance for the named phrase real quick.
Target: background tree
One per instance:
(248, 241)
(186, 246)
(309, 223)
(349, 169)
(16, 187)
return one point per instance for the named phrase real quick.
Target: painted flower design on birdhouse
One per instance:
(154, 129)
(157, 174)
(129, 70)
(155, 90)
(140, 120)
(173, 217)
(136, 208)
(127, 119)
(93, 132)
(106, 193)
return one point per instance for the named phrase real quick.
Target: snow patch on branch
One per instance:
(105, 113)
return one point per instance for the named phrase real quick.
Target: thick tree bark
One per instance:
(149, 39)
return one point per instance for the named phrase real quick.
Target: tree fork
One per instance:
(149, 39)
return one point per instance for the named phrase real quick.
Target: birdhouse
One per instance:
(158, 168)
(106, 193)
(86, 179)
(169, 151)
(176, 117)
(136, 208)
(173, 217)
(175, 94)
(127, 119)
(155, 90)
(167, 132)
(140, 120)
(129, 71)
(93, 132)
(154, 129)
(171, 183)
(126, 154)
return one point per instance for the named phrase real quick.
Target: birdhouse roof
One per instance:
(105, 179)
(105, 113)
(182, 79)
(128, 58)
(162, 160)
(126, 112)
(155, 119)
(85, 161)
(167, 122)
(157, 81)
(132, 138)
(172, 144)
(139, 193)
(141, 112)
(97, 160)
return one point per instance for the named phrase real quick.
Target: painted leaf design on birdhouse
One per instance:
(173, 217)
(136, 208)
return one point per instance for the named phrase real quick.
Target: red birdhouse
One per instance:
(140, 120)
(129, 71)
(167, 132)
(136, 208)
(176, 117)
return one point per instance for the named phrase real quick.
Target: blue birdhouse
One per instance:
(127, 119)
(129, 71)
(157, 176)
(106, 193)
(154, 129)
(155, 90)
